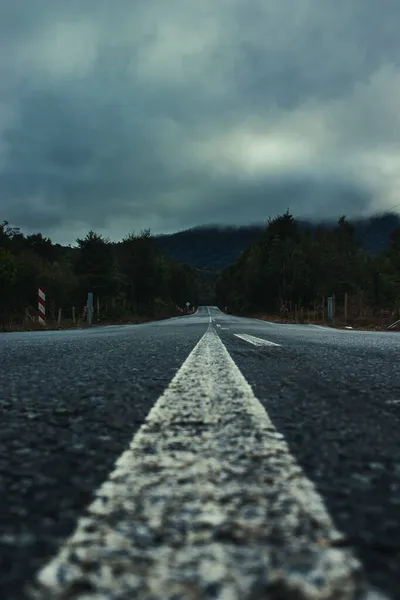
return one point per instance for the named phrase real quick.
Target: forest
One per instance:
(215, 247)
(285, 270)
(290, 272)
(131, 280)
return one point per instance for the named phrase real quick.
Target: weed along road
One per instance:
(206, 456)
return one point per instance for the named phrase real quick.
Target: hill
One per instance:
(216, 247)
(209, 247)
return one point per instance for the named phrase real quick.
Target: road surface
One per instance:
(268, 464)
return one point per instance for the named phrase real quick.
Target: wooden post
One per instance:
(73, 315)
(89, 314)
(59, 317)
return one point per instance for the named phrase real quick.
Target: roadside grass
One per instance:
(68, 324)
(361, 323)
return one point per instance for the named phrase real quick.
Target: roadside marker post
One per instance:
(42, 306)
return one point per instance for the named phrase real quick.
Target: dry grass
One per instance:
(361, 323)
(67, 324)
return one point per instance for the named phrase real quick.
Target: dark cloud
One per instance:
(256, 200)
(119, 116)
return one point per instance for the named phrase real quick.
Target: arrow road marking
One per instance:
(255, 340)
(207, 502)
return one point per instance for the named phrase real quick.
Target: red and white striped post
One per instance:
(42, 306)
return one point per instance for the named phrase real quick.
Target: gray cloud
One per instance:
(255, 200)
(119, 116)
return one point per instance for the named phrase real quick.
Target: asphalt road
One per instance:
(71, 402)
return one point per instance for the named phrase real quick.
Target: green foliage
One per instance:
(284, 263)
(217, 247)
(290, 265)
(60, 283)
(8, 269)
(128, 278)
(96, 266)
(8, 279)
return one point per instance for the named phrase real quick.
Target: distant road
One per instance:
(269, 462)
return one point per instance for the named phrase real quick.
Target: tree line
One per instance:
(289, 268)
(215, 247)
(131, 277)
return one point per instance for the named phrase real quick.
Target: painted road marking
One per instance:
(207, 502)
(255, 340)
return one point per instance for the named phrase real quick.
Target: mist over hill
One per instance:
(215, 247)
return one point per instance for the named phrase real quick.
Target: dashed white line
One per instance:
(255, 340)
(207, 502)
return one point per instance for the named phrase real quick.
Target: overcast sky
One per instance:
(118, 115)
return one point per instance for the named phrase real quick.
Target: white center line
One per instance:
(255, 340)
(207, 502)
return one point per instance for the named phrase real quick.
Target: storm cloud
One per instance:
(118, 116)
